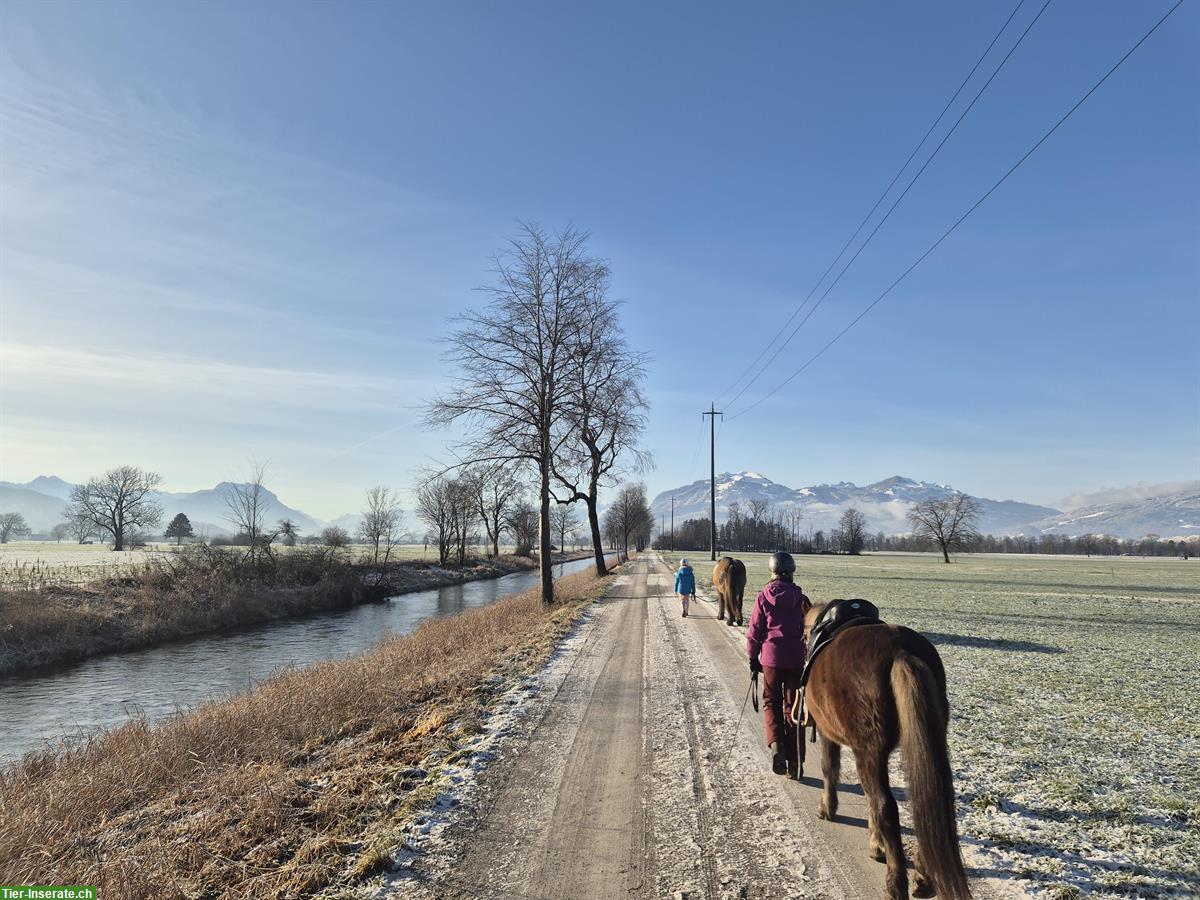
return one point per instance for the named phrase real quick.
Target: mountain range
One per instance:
(1172, 511)
(42, 501)
(1168, 510)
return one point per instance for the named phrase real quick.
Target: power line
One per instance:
(892, 208)
(961, 218)
(880, 200)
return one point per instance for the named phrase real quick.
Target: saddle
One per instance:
(835, 617)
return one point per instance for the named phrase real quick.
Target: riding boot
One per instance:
(779, 763)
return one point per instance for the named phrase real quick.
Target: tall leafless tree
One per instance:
(497, 489)
(511, 360)
(118, 502)
(464, 514)
(604, 412)
(564, 519)
(435, 509)
(380, 523)
(629, 519)
(522, 524)
(246, 508)
(949, 522)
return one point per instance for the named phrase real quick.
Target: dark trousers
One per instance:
(779, 691)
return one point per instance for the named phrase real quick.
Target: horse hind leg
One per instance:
(884, 821)
(720, 604)
(831, 772)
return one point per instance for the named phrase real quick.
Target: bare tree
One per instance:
(852, 531)
(381, 521)
(60, 531)
(335, 537)
(117, 502)
(522, 524)
(434, 508)
(629, 519)
(12, 524)
(496, 490)
(564, 519)
(464, 513)
(246, 508)
(80, 525)
(949, 522)
(511, 358)
(604, 413)
(759, 508)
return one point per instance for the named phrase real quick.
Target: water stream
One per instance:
(52, 704)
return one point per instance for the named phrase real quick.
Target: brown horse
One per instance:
(873, 688)
(729, 579)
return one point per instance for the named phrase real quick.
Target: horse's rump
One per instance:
(877, 687)
(729, 580)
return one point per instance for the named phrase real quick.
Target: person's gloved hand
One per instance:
(755, 666)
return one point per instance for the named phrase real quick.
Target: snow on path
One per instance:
(616, 772)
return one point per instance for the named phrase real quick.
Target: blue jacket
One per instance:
(685, 580)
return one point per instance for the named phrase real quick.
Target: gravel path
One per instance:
(609, 779)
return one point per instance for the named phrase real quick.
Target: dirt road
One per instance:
(625, 778)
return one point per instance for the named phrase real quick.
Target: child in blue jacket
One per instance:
(685, 584)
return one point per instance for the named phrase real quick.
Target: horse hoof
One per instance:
(878, 855)
(923, 888)
(824, 813)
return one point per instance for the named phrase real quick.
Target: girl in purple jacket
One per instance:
(775, 645)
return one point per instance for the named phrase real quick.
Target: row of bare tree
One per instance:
(545, 385)
(947, 523)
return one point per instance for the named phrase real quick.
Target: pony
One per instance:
(873, 688)
(729, 579)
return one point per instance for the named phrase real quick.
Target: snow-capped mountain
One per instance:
(1168, 510)
(1172, 514)
(885, 503)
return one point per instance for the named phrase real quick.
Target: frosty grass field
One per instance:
(27, 563)
(1075, 726)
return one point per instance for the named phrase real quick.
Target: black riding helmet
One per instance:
(782, 564)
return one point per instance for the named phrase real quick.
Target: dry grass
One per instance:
(284, 791)
(197, 591)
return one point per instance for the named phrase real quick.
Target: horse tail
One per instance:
(923, 712)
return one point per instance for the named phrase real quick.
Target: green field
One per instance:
(1075, 709)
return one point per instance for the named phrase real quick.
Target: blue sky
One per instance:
(234, 230)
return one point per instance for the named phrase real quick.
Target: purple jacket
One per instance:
(776, 633)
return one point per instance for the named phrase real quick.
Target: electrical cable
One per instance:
(880, 200)
(961, 218)
(891, 209)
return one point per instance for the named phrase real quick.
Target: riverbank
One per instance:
(203, 593)
(301, 784)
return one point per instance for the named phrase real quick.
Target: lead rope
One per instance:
(751, 691)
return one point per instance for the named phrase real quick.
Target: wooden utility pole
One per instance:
(712, 475)
(672, 524)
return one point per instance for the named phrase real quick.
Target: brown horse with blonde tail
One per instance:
(872, 688)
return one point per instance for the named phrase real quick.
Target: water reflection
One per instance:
(45, 707)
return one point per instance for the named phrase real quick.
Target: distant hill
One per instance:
(41, 511)
(1175, 513)
(42, 500)
(886, 504)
